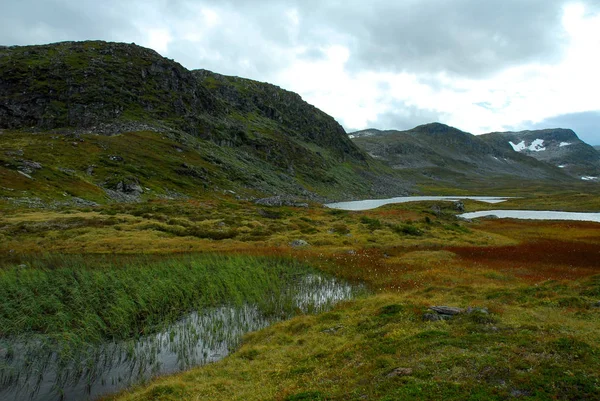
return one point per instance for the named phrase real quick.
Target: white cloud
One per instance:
(521, 94)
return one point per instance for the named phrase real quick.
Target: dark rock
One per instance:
(435, 317)
(269, 214)
(459, 206)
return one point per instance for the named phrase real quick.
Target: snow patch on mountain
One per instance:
(589, 178)
(535, 146)
(563, 144)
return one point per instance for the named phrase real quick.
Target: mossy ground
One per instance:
(539, 280)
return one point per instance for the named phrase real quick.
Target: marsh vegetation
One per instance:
(538, 280)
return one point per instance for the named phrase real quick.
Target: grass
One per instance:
(352, 352)
(95, 298)
(539, 281)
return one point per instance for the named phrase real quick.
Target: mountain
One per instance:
(448, 154)
(99, 120)
(558, 147)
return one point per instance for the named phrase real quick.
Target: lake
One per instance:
(375, 203)
(534, 215)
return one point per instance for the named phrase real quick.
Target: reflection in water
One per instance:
(41, 370)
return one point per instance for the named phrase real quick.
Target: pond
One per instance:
(36, 369)
(375, 203)
(534, 215)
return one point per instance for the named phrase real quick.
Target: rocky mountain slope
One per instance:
(558, 147)
(102, 120)
(446, 153)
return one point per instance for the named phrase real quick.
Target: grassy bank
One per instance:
(110, 297)
(535, 343)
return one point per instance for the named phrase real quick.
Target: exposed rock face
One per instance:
(282, 107)
(89, 84)
(558, 147)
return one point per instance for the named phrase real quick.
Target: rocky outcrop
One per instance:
(99, 84)
(284, 108)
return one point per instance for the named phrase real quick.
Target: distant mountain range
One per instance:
(438, 150)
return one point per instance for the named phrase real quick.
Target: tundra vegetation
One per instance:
(127, 269)
(127, 204)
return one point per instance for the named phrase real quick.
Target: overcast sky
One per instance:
(477, 65)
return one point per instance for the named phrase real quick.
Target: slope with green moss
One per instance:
(117, 117)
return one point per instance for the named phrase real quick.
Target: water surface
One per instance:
(39, 370)
(375, 203)
(534, 215)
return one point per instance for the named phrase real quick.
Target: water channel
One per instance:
(38, 370)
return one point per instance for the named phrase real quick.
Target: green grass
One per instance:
(112, 297)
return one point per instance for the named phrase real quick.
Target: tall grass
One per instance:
(92, 299)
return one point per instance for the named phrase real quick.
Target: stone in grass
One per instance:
(447, 310)
(398, 372)
(434, 317)
(299, 243)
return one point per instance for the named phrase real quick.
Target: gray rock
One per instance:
(280, 200)
(435, 317)
(447, 310)
(400, 372)
(299, 243)
(459, 206)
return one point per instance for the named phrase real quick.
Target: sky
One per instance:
(480, 66)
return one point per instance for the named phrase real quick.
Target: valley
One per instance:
(165, 235)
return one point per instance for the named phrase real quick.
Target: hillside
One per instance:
(558, 147)
(105, 121)
(447, 154)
